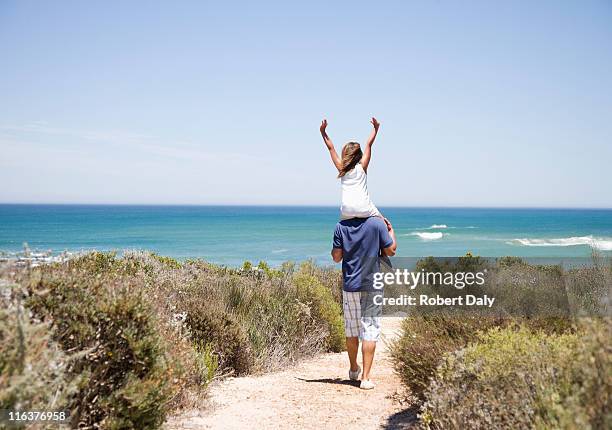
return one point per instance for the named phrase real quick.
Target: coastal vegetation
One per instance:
(122, 342)
(516, 377)
(544, 361)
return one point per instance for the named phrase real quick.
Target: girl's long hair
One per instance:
(351, 155)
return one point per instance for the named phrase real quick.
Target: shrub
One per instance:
(424, 341)
(530, 291)
(323, 308)
(280, 327)
(531, 294)
(588, 288)
(591, 375)
(211, 325)
(126, 376)
(33, 368)
(329, 277)
(520, 289)
(281, 320)
(206, 361)
(169, 262)
(517, 378)
(466, 263)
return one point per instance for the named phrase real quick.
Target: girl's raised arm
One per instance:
(330, 145)
(367, 151)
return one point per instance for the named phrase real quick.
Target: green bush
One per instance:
(279, 315)
(531, 294)
(424, 341)
(323, 308)
(329, 277)
(33, 368)
(280, 327)
(517, 378)
(207, 362)
(169, 262)
(211, 325)
(591, 375)
(123, 362)
(426, 338)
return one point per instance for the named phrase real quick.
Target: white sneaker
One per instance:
(354, 376)
(366, 384)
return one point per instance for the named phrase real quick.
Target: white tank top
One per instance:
(356, 201)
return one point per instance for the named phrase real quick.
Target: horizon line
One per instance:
(272, 205)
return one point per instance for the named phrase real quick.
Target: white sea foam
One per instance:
(600, 243)
(444, 226)
(428, 235)
(279, 251)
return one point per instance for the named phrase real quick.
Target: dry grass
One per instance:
(149, 333)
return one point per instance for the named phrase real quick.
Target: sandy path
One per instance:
(314, 394)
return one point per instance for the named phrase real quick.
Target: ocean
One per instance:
(233, 234)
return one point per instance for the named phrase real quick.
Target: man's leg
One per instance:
(352, 313)
(368, 347)
(369, 333)
(352, 346)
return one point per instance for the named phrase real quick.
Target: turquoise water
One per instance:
(232, 234)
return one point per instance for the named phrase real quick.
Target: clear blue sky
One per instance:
(481, 103)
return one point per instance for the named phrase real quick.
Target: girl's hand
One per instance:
(330, 145)
(375, 123)
(388, 223)
(367, 152)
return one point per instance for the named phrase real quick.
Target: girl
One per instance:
(352, 171)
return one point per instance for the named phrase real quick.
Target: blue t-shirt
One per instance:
(361, 240)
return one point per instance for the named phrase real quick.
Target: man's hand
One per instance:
(323, 127)
(336, 255)
(375, 123)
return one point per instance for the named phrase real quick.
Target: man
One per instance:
(358, 243)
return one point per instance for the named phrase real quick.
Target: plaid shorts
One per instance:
(361, 318)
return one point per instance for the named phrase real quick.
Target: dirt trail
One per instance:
(314, 394)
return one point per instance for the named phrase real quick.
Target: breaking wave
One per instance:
(600, 243)
(428, 235)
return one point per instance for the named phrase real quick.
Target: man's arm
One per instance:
(337, 255)
(390, 250)
(367, 151)
(336, 252)
(330, 145)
